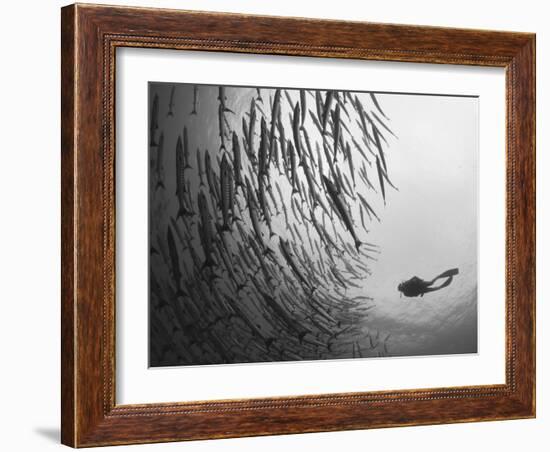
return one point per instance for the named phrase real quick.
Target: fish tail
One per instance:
(170, 114)
(187, 166)
(194, 112)
(160, 184)
(180, 292)
(357, 244)
(226, 227)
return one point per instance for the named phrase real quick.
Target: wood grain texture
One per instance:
(90, 36)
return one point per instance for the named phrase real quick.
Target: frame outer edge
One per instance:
(68, 242)
(86, 419)
(525, 62)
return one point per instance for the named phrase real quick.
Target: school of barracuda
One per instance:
(265, 256)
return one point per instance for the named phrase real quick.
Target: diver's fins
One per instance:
(448, 274)
(445, 283)
(451, 272)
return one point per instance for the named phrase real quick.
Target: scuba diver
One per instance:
(415, 286)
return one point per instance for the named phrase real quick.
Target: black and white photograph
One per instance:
(302, 224)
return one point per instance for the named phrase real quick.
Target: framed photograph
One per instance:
(279, 225)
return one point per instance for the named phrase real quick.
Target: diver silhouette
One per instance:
(415, 286)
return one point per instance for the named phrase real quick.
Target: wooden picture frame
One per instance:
(90, 35)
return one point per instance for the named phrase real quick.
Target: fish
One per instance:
(282, 141)
(253, 212)
(263, 158)
(263, 204)
(296, 129)
(222, 98)
(200, 169)
(292, 159)
(251, 126)
(316, 122)
(160, 163)
(287, 254)
(171, 102)
(245, 132)
(154, 122)
(274, 116)
(179, 235)
(208, 172)
(174, 259)
(319, 107)
(205, 231)
(270, 192)
(381, 179)
(289, 99)
(226, 189)
(379, 147)
(311, 183)
(308, 146)
(341, 209)
(195, 100)
(362, 217)
(180, 181)
(326, 109)
(367, 206)
(237, 161)
(336, 132)
(303, 106)
(382, 123)
(349, 157)
(221, 126)
(377, 105)
(185, 150)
